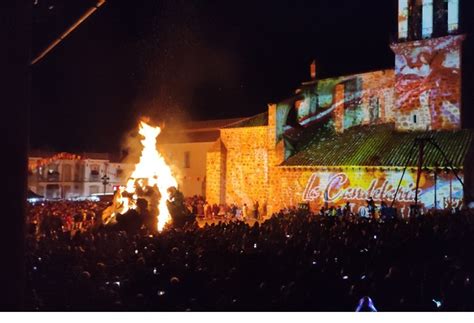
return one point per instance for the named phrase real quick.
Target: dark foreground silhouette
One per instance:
(293, 261)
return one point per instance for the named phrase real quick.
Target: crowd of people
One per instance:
(294, 260)
(64, 215)
(202, 209)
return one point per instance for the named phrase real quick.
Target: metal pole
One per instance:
(435, 188)
(67, 32)
(450, 191)
(421, 143)
(450, 164)
(403, 173)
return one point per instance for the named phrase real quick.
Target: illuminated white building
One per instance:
(65, 176)
(186, 147)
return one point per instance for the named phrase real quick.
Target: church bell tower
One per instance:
(428, 65)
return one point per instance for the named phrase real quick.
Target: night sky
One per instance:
(178, 59)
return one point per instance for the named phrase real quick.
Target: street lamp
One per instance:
(105, 181)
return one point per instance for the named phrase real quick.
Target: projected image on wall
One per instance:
(357, 186)
(353, 100)
(428, 83)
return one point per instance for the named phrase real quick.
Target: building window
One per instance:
(53, 191)
(77, 172)
(66, 191)
(374, 109)
(95, 175)
(67, 173)
(187, 159)
(414, 118)
(94, 189)
(53, 175)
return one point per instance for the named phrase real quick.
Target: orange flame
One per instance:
(151, 171)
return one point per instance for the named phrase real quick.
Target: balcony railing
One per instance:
(53, 177)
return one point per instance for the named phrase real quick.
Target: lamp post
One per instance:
(105, 181)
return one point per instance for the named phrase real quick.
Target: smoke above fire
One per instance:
(178, 65)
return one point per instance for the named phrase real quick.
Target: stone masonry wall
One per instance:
(246, 174)
(242, 165)
(215, 173)
(369, 103)
(276, 155)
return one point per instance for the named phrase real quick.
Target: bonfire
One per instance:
(150, 180)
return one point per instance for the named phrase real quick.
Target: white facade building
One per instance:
(185, 150)
(64, 176)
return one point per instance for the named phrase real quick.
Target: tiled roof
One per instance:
(188, 137)
(195, 131)
(380, 145)
(210, 124)
(255, 121)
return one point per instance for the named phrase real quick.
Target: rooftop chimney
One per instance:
(313, 69)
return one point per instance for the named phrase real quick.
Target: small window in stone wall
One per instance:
(374, 109)
(187, 159)
(414, 118)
